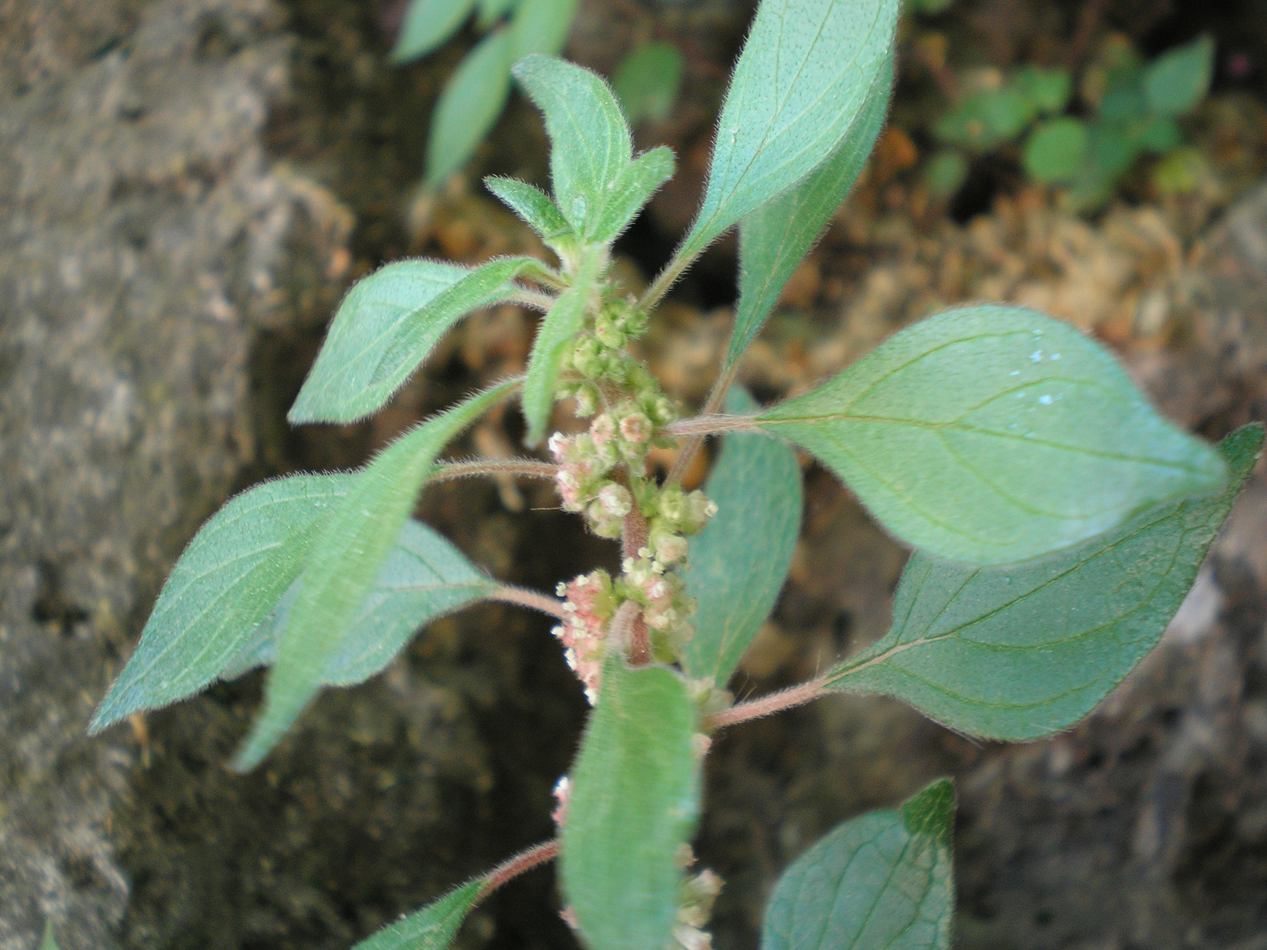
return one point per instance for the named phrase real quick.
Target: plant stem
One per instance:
(768, 705)
(528, 468)
(707, 425)
(666, 279)
(533, 299)
(715, 399)
(512, 867)
(522, 597)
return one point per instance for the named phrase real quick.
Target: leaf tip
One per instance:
(931, 811)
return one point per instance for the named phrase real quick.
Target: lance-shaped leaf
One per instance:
(634, 801)
(533, 206)
(1017, 653)
(631, 191)
(541, 26)
(431, 928)
(803, 77)
(739, 562)
(994, 434)
(774, 238)
(590, 141)
(227, 581)
(884, 879)
(387, 324)
(347, 555)
(490, 11)
(428, 23)
(423, 578)
(469, 105)
(560, 326)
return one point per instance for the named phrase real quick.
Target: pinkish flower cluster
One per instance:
(590, 603)
(666, 609)
(562, 798)
(695, 906)
(586, 460)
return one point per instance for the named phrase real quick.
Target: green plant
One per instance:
(1131, 110)
(1058, 521)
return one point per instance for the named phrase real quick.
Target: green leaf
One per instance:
(555, 335)
(423, 578)
(1046, 90)
(884, 879)
(1176, 81)
(806, 71)
(227, 581)
(533, 206)
(590, 142)
(994, 434)
(986, 119)
(634, 803)
(1056, 150)
(490, 11)
(1017, 653)
(631, 191)
(775, 237)
(49, 942)
(428, 23)
(433, 927)
(469, 105)
(541, 26)
(388, 324)
(647, 81)
(739, 562)
(348, 552)
(1159, 135)
(946, 172)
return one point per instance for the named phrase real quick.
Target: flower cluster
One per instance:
(666, 608)
(590, 603)
(695, 906)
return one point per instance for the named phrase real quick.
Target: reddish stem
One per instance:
(523, 597)
(511, 868)
(767, 705)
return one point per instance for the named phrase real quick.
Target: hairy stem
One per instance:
(666, 279)
(511, 868)
(707, 425)
(521, 596)
(533, 300)
(692, 444)
(768, 705)
(528, 468)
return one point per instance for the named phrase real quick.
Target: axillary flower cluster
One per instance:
(603, 475)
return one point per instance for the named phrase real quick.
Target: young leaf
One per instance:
(541, 26)
(433, 927)
(590, 141)
(423, 578)
(50, 938)
(775, 237)
(227, 581)
(469, 105)
(884, 879)
(647, 81)
(738, 563)
(533, 206)
(387, 324)
(554, 336)
(428, 23)
(631, 191)
(1017, 653)
(994, 434)
(1178, 80)
(634, 801)
(1056, 150)
(347, 555)
(805, 73)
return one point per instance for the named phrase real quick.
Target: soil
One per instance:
(192, 184)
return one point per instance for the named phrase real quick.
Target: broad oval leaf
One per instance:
(634, 802)
(431, 928)
(739, 562)
(423, 578)
(884, 879)
(347, 554)
(1017, 653)
(469, 105)
(805, 73)
(428, 23)
(995, 434)
(590, 141)
(227, 581)
(1178, 80)
(774, 238)
(533, 206)
(387, 325)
